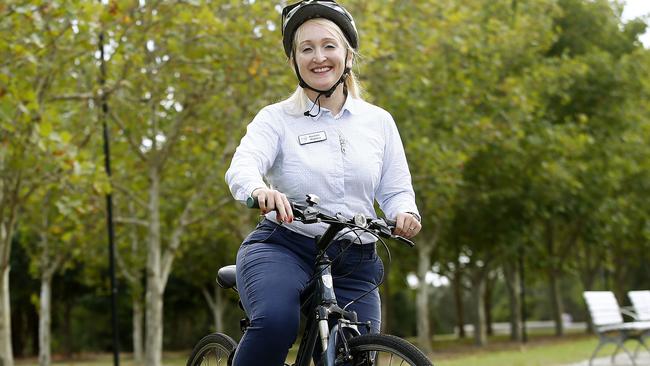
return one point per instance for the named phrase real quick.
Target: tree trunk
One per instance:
(588, 272)
(133, 275)
(138, 315)
(460, 309)
(620, 274)
(158, 265)
(478, 290)
(154, 331)
(422, 299)
(215, 303)
(514, 296)
(553, 281)
(154, 293)
(154, 318)
(48, 266)
(487, 304)
(556, 303)
(218, 310)
(6, 352)
(44, 324)
(458, 295)
(6, 234)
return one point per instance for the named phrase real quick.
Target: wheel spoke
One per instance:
(382, 350)
(213, 349)
(215, 356)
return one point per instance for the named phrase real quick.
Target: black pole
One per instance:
(109, 205)
(522, 281)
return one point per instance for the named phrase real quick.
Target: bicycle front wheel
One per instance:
(384, 350)
(213, 349)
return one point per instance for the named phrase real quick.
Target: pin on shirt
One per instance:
(342, 142)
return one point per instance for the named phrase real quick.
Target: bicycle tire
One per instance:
(384, 350)
(213, 349)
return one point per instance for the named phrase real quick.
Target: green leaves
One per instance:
(514, 115)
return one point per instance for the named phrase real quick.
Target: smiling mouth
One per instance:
(321, 70)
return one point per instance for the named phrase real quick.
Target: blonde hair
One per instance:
(299, 99)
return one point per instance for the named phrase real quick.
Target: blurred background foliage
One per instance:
(526, 125)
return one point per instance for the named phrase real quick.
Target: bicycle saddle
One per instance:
(226, 277)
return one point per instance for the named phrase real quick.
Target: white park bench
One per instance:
(641, 307)
(606, 316)
(640, 304)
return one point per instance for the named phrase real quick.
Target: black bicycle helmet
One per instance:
(294, 15)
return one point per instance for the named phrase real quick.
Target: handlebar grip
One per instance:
(391, 224)
(252, 202)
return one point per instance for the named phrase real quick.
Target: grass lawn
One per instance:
(542, 349)
(169, 359)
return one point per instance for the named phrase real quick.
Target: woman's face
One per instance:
(320, 55)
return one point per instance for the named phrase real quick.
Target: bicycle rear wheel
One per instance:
(214, 349)
(384, 350)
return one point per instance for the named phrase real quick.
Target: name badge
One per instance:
(310, 138)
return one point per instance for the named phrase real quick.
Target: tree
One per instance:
(187, 84)
(584, 118)
(463, 93)
(38, 55)
(59, 231)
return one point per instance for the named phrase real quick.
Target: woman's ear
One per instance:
(349, 61)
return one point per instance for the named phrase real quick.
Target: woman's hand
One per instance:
(406, 225)
(270, 199)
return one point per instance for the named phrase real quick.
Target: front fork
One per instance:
(323, 328)
(347, 320)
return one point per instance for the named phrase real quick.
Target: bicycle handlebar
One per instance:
(308, 214)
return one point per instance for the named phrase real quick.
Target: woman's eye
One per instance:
(330, 46)
(306, 49)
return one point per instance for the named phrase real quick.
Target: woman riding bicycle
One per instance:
(323, 140)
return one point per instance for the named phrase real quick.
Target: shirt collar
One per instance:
(351, 105)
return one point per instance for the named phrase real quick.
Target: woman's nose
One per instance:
(319, 56)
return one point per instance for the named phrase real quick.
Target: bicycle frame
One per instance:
(318, 318)
(323, 306)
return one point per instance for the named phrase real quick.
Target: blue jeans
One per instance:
(274, 266)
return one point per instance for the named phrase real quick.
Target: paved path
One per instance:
(643, 359)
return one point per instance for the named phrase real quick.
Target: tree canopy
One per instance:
(525, 125)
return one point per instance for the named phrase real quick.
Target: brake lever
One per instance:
(404, 240)
(386, 232)
(382, 226)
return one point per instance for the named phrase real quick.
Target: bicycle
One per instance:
(341, 344)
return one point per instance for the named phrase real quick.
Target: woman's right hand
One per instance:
(270, 199)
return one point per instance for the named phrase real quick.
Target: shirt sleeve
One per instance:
(395, 190)
(254, 156)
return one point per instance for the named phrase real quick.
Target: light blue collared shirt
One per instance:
(348, 160)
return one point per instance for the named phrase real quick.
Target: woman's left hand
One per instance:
(406, 225)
